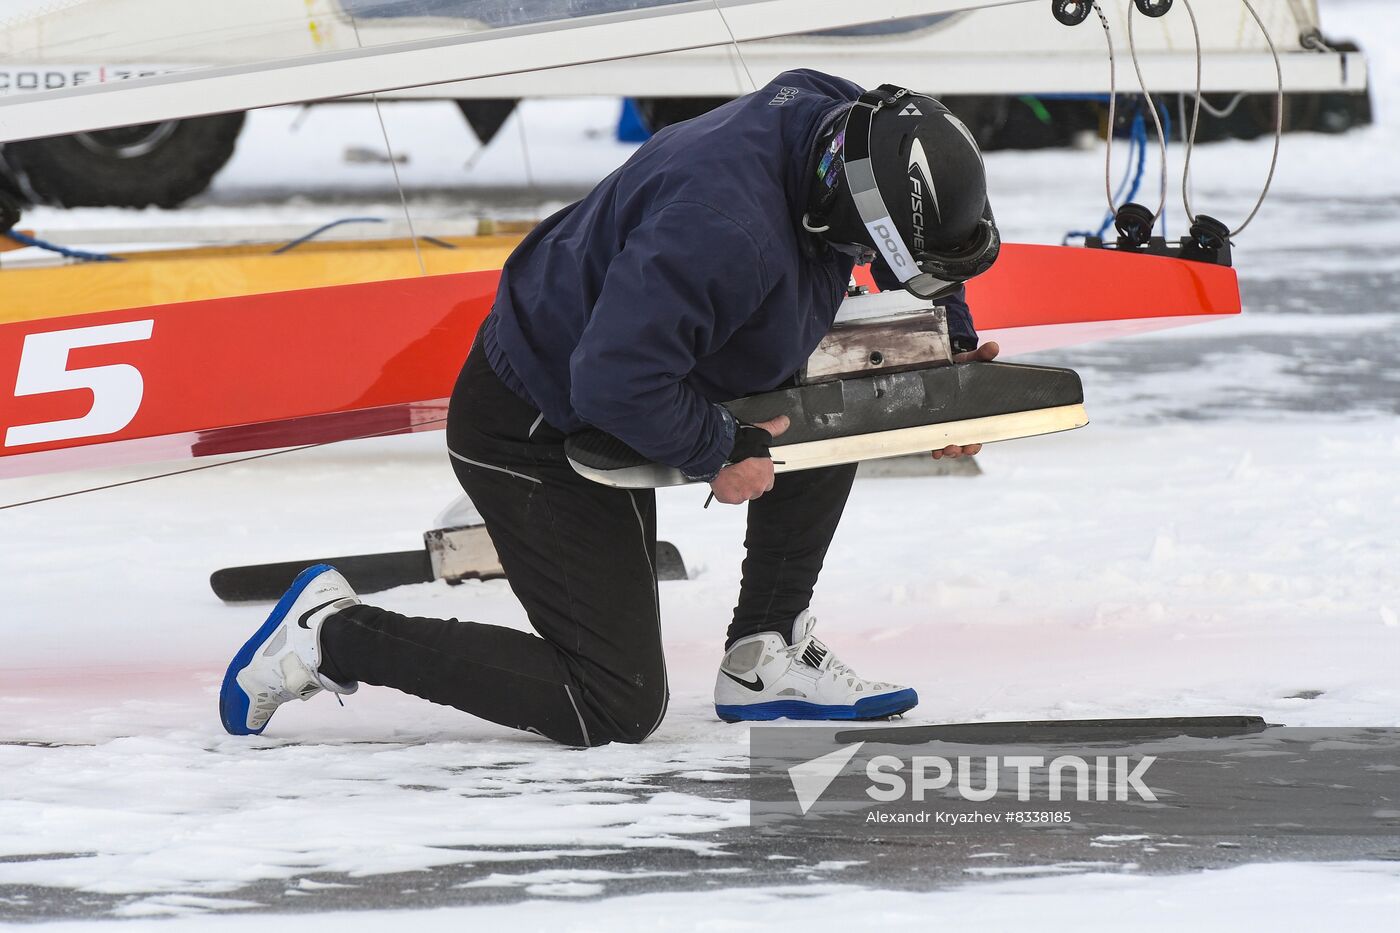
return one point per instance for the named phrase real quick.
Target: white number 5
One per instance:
(116, 389)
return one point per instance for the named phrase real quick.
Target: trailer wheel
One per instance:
(9, 212)
(160, 164)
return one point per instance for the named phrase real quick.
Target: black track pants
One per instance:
(789, 530)
(579, 558)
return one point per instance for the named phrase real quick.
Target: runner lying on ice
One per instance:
(707, 267)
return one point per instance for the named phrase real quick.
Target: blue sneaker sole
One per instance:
(233, 702)
(875, 707)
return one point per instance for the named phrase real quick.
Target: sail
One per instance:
(191, 57)
(218, 57)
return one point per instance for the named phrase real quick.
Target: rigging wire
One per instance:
(1167, 124)
(1199, 104)
(393, 162)
(1222, 113)
(1132, 174)
(398, 183)
(1129, 185)
(1135, 169)
(734, 43)
(524, 147)
(222, 463)
(1196, 118)
(1156, 118)
(1112, 111)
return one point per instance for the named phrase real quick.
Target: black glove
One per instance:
(749, 441)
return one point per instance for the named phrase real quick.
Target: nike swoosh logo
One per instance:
(755, 685)
(315, 609)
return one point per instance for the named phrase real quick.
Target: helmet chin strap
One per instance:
(863, 190)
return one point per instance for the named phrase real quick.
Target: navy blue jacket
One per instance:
(684, 279)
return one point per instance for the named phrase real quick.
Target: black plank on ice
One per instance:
(1060, 731)
(373, 573)
(366, 573)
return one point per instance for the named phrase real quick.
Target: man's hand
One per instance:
(984, 353)
(750, 478)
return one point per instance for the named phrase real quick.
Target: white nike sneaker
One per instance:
(281, 661)
(763, 677)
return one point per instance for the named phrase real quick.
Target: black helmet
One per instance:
(915, 191)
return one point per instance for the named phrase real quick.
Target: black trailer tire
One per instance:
(160, 164)
(9, 211)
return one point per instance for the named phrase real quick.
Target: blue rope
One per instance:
(1132, 178)
(1139, 132)
(287, 247)
(83, 256)
(26, 240)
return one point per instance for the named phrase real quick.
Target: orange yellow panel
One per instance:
(172, 276)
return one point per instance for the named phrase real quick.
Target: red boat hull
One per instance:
(319, 364)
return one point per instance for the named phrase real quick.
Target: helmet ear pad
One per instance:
(843, 220)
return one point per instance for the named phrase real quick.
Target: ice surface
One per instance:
(1255, 897)
(1223, 538)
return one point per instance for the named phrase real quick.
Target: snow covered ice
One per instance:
(1223, 538)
